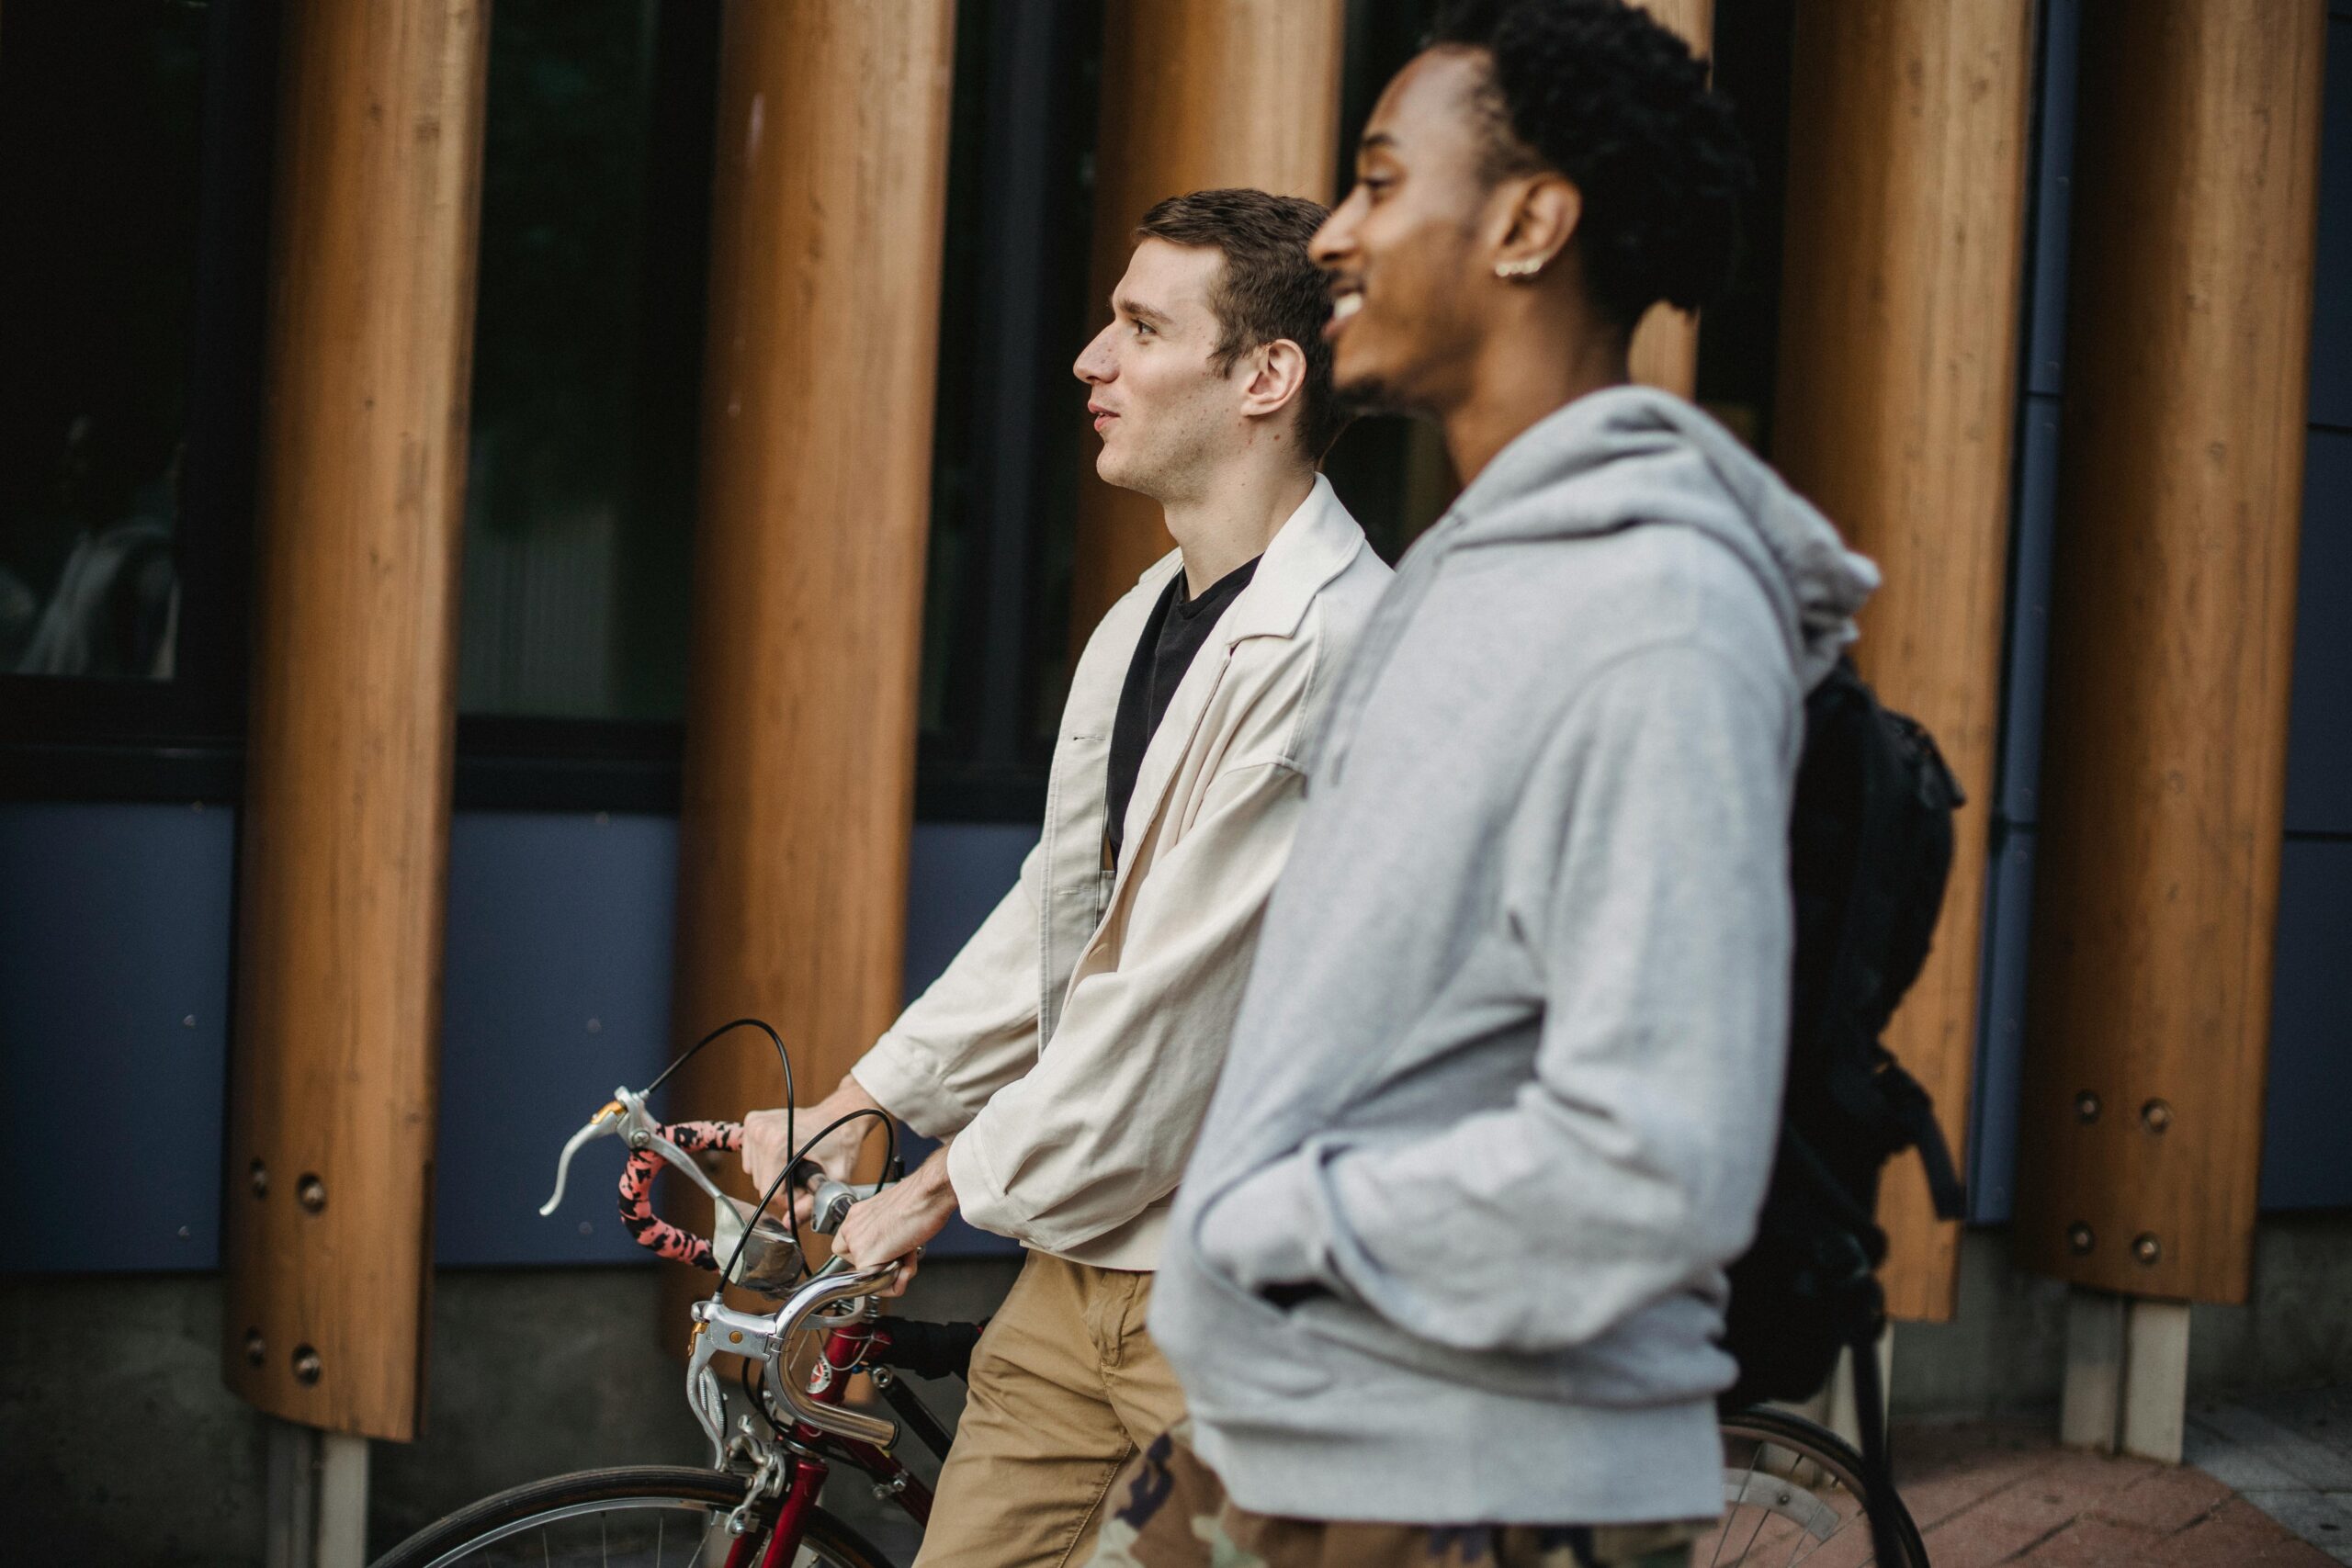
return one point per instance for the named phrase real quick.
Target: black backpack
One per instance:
(1870, 848)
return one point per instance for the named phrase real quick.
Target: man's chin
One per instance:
(1114, 473)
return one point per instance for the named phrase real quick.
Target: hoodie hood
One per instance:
(1634, 457)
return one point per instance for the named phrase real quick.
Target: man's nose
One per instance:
(1336, 237)
(1094, 364)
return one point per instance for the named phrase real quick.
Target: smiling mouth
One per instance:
(1344, 305)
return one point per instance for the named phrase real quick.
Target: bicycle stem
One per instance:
(720, 1327)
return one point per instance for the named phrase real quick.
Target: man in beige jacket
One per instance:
(1068, 1053)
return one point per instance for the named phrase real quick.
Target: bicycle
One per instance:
(1793, 1491)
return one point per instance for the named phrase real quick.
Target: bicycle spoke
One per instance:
(1746, 1481)
(660, 1524)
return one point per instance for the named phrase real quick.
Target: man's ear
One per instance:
(1540, 217)
(1277, 378)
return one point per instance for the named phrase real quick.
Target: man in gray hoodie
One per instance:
(1503, 1093)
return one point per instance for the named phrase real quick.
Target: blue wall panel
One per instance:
(557, 988)
(2319, 737)
(2026, 664)
(115, 929)
(2306, 1151)
(2332, 302)
(114, 1003)
(2053, 167)
(2000, 1031)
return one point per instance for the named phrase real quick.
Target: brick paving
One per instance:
(1998, 1492)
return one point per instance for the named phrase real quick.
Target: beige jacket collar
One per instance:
(1311, 548)
(1314, 544)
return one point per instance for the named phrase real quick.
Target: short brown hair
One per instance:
(1269, 290)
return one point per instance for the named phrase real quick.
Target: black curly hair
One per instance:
(1603, 93)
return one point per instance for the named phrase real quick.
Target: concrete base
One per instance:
(2005, 1353)
(119, 1444)
(2126, 1382)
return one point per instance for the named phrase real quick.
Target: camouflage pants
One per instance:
(1169, 1511)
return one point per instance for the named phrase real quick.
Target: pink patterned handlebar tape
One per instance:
(649, 1229)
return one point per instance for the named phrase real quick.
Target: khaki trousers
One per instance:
(1066, 1388)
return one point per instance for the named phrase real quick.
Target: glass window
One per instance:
(587, 354)
(100, 108)
(1008, 436)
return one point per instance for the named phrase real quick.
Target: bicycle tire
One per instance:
(1808, 1442)
(596, 1494)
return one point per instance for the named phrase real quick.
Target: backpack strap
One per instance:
(1915, 1114)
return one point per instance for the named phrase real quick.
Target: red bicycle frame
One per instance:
(829, 1384)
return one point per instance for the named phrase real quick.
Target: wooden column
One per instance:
(1896, 399)
(345, 831)
(2172, 621)
(1665, 345)
(816, 496)
(1238, 93)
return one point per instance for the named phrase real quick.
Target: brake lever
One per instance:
(601, 1125)
(626, 1117)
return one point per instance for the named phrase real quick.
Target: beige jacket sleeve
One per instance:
(1099, 1127)
(973, 1032)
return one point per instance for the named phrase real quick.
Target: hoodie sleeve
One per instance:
(1630, 1167)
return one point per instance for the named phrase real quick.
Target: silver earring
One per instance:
(1520, 271)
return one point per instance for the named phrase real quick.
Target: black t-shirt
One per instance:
(1179, 627)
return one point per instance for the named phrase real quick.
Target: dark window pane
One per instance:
(579, 487)
(1010, 422)
(99, 113)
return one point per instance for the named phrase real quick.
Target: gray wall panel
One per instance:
(114, 999)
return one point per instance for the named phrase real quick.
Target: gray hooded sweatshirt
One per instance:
(1504, 1090)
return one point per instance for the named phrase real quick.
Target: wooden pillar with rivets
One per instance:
(2172, 624)
(1899, 322)
(826, 224)
(1238, 93)
(328, 1229)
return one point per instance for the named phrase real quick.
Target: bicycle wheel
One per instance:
(638, 1516)
(1795, 1492)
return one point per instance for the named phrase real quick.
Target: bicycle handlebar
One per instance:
(770, 1259)
(771, 1262)
(763, 1336)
